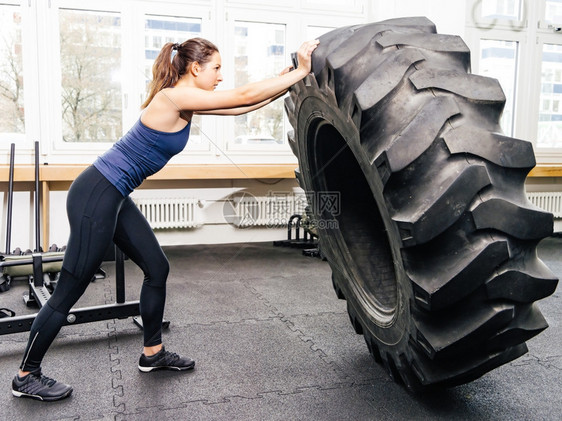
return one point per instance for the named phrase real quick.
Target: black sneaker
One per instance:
(164, 360)
(37, 386)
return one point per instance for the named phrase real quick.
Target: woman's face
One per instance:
(209, 75)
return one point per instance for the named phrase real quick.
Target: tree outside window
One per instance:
(12, 118)
(90, 45)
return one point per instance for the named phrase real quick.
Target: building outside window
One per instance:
(259, 54)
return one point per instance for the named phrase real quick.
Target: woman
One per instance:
(100, 210)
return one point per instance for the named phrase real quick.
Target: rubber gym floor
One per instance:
(271, 342)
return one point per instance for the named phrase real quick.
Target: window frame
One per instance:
(475, 19)
(521, 86)
(335, 6)
(228, 122)
(42, 68)
(531, 37)
(543, 38)
(31, 74)
(54, 90)
(295, 33)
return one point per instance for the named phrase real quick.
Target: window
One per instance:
(74, 73)
(90, 59)
(12, 115)
(553, 11)
(502, 9)
(530, 72)
(550, 120)
(259, 54)
(498, 59)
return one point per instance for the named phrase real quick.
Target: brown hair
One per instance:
(166, 71)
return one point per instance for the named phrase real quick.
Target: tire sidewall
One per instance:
(390, 332)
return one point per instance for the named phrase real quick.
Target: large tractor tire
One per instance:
(419, 201)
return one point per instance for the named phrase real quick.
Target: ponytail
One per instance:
(164, 73)
(167, 70)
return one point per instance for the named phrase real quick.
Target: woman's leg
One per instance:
(92, 207)
(134, 236)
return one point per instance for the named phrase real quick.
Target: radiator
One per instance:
(166, 213)
(265, 211)
(549, 201)
(181, 212)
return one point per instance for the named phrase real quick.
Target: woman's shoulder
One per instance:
(162, 114)
(162, 102)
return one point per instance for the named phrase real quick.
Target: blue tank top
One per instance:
(141, 152)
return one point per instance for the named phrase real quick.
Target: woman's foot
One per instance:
(164, 360)
(37, 386)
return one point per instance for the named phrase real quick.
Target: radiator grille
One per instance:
(265, 211)
(167, 213)
(549, 201)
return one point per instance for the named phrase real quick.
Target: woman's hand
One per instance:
(305, 55)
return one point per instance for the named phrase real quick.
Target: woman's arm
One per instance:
(241, 110)
(199, 100)
(244, 110)
(245, 97)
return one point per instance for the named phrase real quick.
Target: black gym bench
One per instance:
(37, 265)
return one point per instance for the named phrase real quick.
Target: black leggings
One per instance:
(99, 214)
